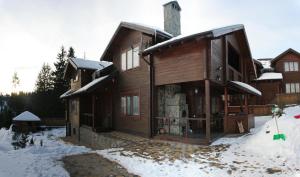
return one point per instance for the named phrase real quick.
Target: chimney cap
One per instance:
(175, 3)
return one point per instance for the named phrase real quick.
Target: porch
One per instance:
(199, 112)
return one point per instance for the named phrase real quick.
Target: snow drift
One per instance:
(262, 143)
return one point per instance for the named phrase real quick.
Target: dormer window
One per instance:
(130, 59)
(291, 66)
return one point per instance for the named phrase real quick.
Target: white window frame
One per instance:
(287, 88)
(136, 57)
(130, 59)
(123, 61)
(297, 87)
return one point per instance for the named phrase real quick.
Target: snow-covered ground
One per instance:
(255, 154)
(36, 161)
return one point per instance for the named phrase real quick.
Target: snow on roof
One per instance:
(266, 62)
(210, 33)
(26, 116)
(247, 87)
(89, 64)
(67, 93)
(89, 85)
(270, 76)
(84, 88)
(149, 27)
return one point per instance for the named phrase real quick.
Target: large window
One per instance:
(291, 66)
(130, 105)
(130, 59)
(292, 88)
(233, 58)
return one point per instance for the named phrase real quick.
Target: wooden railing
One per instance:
(234, 75)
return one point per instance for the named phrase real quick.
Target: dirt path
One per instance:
(93, 165)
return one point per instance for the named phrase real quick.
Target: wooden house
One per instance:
(166, 85)
(280, 79)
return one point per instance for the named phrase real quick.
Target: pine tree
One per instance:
(60, 84)
(44, 81)
(71, 53)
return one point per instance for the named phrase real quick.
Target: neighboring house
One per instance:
(280, 76)
(165, 85)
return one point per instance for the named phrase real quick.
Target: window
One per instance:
(136, 57)
(130, 105)
(291, 66)
(292, 88)
(123, 105)
(233, 58)
(297, 87)
(130, 59)
(136, 106)
(123, 61)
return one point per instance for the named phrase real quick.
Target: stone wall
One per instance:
(172, 104)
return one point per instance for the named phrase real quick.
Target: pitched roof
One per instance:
(26, 116)
(270, 76)
(80, 63)
(290, 50)
(139, 27)
(214, 33)
(88, 87)
(266, 62)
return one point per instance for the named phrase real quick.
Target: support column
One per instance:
(93, 111)
(207, 110)
(246, 104)
(225, 108)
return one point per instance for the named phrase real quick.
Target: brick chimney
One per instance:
(172, 18)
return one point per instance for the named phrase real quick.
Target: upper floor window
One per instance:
(291, 66)
(233, 58)
(130, 59)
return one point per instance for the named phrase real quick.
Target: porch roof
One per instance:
(87, 88)
(244, 87)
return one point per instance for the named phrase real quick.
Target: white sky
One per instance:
(32, 31)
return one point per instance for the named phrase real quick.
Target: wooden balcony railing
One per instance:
(234, 75)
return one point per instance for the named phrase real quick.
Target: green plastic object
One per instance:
(279, 136)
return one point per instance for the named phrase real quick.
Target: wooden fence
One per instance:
(283, 99)
(257, 110)
(53, 121)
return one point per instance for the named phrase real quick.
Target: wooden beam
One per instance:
(93, 110)
(246, 104)
(225, 108)
(207, 109)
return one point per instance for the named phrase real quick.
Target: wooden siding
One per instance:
(291, 76)
(133, 80)
(181, 63)
(269, 90)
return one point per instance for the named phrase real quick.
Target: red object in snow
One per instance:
(297, 116)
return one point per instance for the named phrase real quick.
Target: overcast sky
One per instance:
(32, 31)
